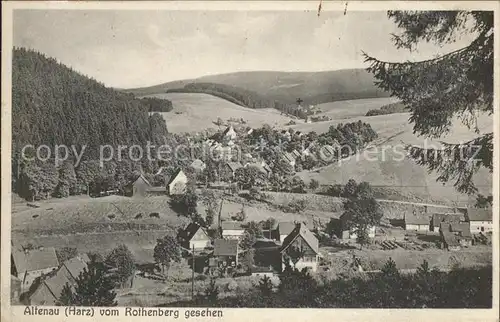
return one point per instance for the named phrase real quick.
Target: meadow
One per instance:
(195, 112)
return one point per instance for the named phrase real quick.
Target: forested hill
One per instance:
(54, 105)
(286, 87)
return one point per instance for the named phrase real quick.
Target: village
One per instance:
(237, 245)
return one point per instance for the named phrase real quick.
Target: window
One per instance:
(482, 228)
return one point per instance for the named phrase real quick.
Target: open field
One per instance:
(83, 214)
(198, 111)
(85, 223)
(351, 108)
(386, 165)
(411, 259)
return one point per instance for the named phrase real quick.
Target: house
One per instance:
(309, 150)
(462, 233)
(27, 265)
(328, 152)
(48, 290)
(438, 218)
(303, 240)
(344, 232)
(229, 133)
(229, 169)
(285, 134)
(141, 187)
(225, 253)
(480, 219)
(417, 222)
(177, 183)
(198, 165)
(449, 240)
(195, 236)
(138, 187)
(232, 230)
(289, 158)
(295, 154)
(284, 229)
(258, 271)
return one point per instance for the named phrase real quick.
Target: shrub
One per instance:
(295, 206)
(231, 286)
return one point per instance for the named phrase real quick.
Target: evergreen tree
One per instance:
(459, 83)
(122, 259)
(93, 288)
(265, 286)
(67, 179)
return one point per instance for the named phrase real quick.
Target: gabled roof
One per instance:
(306, 234)
(449, 238)
(191, 229)
(289, 157)
(411, 219)
(447, 217)
(225, 247)
(480, 214)
(174, 175)
(57, 282)
(76, 265)
(142, 177)
(286, 227)
(462, 228)
(232, 225)
(35, 259)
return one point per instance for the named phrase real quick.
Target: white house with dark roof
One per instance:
(417, 222)
(480, 219)
(177, 183)
(27, 265)
(232, 230)
(304, 240)
(195, 236)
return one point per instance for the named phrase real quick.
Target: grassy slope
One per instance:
(83, 222)
(352, 108)
(395, 130)
(288, 86)
(200, 110)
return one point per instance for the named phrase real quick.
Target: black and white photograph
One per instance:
(322, 157)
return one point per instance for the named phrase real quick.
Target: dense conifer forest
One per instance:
(54, 105)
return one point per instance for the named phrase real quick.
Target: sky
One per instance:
(127, 49)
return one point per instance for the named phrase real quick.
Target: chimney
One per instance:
(425, 208)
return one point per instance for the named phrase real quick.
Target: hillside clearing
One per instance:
(84, 214)
(351, 108)
(197, 112)
(384, 167)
